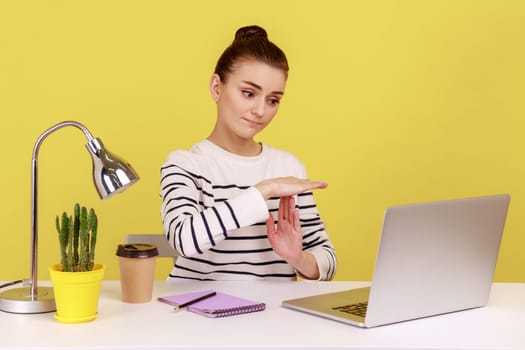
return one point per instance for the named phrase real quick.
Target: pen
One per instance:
(193, 301)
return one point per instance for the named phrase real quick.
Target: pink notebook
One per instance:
(218, 305)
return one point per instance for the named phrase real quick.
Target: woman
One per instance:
(221, 196)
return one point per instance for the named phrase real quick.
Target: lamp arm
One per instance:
(34, 197)
(55, 128)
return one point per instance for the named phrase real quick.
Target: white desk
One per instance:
(154, 325)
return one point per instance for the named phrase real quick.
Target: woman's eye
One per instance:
(274, 101)
(247, 93)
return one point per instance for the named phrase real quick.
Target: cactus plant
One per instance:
(77, 235)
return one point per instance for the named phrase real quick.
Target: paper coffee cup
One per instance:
(137, 271)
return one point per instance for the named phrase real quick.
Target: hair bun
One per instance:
(250, 32)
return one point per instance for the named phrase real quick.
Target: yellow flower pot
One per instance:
(76, 293)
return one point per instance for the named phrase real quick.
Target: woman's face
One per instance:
(249, 99)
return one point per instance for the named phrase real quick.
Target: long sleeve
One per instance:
(315, 238)
(192, 222)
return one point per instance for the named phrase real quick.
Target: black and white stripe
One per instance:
(216, 220)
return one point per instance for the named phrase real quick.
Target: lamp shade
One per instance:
(111, 174)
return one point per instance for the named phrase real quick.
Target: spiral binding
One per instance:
(239, 310)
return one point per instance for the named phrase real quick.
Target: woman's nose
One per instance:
(258, 108)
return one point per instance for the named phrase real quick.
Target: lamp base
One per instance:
(19, 300)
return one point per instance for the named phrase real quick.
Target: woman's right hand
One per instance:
(287, 186)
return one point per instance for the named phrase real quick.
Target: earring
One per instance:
(217, 98)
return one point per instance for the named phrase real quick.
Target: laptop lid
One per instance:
(433, 258)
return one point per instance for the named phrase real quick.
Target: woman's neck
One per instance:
(240, 147)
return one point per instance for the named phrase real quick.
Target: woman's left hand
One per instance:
(287, 239)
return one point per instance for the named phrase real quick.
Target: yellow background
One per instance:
(390, 102)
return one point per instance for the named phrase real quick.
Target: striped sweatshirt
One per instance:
(215, 218)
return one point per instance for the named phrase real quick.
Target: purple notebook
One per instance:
(218, 305)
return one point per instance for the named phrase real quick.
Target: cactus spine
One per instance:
(77, 236)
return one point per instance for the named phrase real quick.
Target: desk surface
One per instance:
(155, 325)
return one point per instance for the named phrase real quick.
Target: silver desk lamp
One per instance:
(111, 175)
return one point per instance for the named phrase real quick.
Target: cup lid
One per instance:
(137, 250)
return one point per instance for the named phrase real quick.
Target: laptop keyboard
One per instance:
(358, 309)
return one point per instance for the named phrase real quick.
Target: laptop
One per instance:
(433, 258)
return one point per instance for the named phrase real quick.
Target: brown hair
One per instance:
(251, 42)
